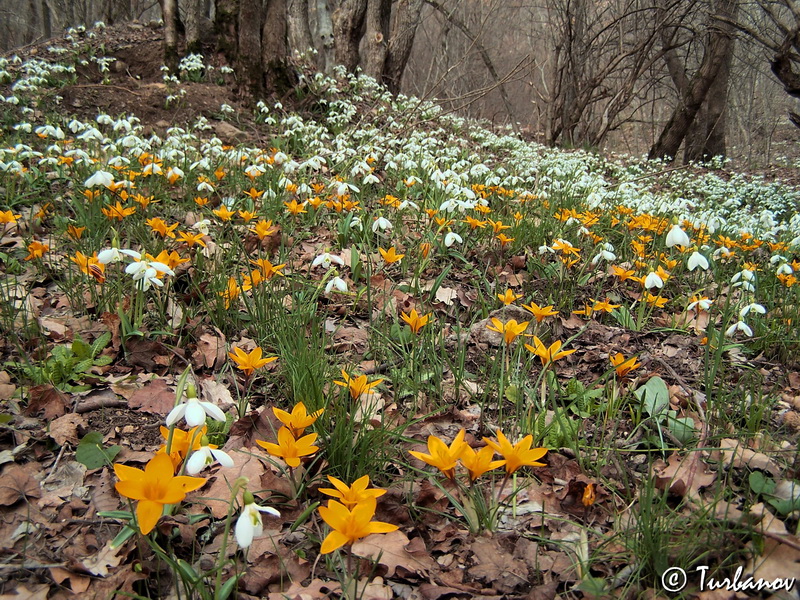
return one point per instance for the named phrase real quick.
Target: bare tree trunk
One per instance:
(249, 51)
(192, 17)
(719, 47)
(225, 24)
(376, 38)
(348, 19)
(275, 49)
(299, 28)
(707, 138)
(169, 10)
(404, 28)
(324, 33)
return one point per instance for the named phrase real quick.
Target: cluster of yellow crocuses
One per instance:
(446, 458)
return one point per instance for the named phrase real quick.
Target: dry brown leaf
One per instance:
(776, 561)
(77, 583)
(313, 591)
(155, 398)
(99, 564)
(733, 454)
(103, 494)
(210, 350)
(7, 388)
(353, 339)
(446, 295)
(496, 566)
(35, 592)
(17, 483)
(394, 550)
(64, 429)
(684, 477)
(218, 497)
(47, 401)
(212, 390)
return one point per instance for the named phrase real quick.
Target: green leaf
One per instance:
(186, 571)
(123, 536)
(654, 396)
(91, 454)
(785, 506)
(227, 587)
(759, 484)
(682, 428)
(592, 586)
(513, 394)
(100, 343)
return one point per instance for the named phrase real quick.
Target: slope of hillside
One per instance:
(570, 374)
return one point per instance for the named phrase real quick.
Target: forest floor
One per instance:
(475, 282)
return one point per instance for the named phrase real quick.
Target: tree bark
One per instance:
(226, 26)
(404, 28)
(249, 50)
(275, 49)
(169, 9)
(376, 38)
(193, 15)
(299, 28)
(716, 53)
(348, 20)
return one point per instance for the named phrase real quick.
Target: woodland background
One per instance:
(690, 79)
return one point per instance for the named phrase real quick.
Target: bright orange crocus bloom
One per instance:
(351, 495)
(298, 419)
(415, 320)
(548, 354)
(517, 455)
(154, 488)
(290, 449)
(249, 362)
(357, 385)
(350, 525)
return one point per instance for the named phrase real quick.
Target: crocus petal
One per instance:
(148, 513)
(333, 541)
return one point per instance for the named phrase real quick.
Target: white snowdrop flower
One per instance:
(721, 251)
(753, 307)
(103, 178)
(325, 260)
(774, 260)
(677, 237)
(703, 304)
(452, 238)
(739, 326)
(195, 412)
(744, 279)
(408, 204)
(653, 280)
(152, 168)
(202, 226)
(371, 178)
(248, 525)
(338, 283)
(115, 255)
(381, 223)
(24, 127)
(697, 260)
(145, 273)
(75, 126)
(546, 249)
(205, 186)
(784, 269)
(205, 456)
(355, 223)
